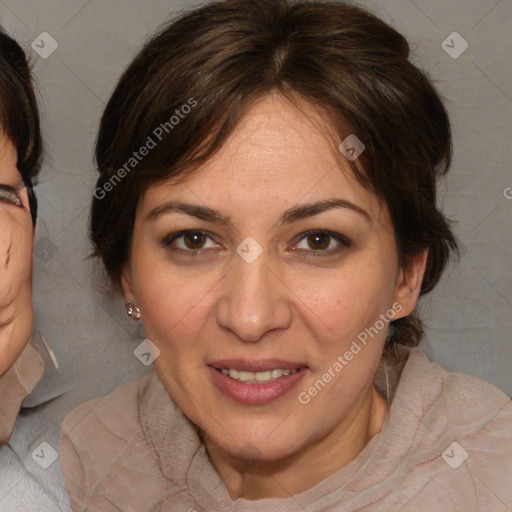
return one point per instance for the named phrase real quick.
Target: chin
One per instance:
(247, 444)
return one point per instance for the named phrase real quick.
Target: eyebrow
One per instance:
(291, 215)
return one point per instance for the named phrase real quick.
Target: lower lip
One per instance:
(255, 394)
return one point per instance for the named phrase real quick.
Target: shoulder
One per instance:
(464, 398)
(470, 402)
(448, 439)
(105, 437)
(110, 421)
(452, 407)
(114, 413)
(482, 417)
(472, 422)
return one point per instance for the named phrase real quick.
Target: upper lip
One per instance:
(260, 365)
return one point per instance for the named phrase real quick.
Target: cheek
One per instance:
(15, 287)
(343, 303)
(173, 301)
(16, 247)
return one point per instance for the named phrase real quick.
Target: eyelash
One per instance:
(343, 240)
(8, 194)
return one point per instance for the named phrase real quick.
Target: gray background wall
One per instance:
(469, 315)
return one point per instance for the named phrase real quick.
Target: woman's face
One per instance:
(299, 304)
(16, 242)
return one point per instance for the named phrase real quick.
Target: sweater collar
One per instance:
(15, 385)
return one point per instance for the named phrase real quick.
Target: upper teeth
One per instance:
(257, 376)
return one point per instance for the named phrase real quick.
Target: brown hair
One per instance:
(340, 59)
(19, 114)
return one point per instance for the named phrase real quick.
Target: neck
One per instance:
(292, 475)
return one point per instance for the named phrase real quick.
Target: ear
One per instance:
(127, 283)
(408, 285)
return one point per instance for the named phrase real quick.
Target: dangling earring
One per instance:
(132, 310)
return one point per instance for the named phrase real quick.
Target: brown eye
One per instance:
(194, 240)
(188, 241)
(318, 242)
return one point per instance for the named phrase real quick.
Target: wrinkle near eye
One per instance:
(7, 322)
(5, 253)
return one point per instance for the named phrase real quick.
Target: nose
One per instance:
(254, 300)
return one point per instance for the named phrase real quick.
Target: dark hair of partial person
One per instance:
(19, 114)
(339, 59)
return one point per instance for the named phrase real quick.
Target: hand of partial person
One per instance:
(16, 244)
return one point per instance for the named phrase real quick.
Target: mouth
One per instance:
(262, 377)
(255, 372)
(256, 382)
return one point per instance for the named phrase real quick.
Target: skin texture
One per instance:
(287, 304)
(16, 244)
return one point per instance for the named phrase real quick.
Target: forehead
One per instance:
(277, 157)
(275, 138)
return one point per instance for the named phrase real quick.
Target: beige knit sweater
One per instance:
(446, 446)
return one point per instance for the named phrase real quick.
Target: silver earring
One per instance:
(132, 310)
